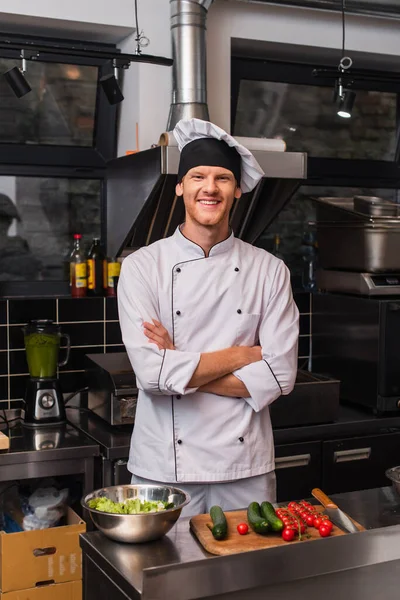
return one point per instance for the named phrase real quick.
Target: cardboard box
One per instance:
(42, 557)
(59, 591)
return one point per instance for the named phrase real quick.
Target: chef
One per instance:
(211, 330)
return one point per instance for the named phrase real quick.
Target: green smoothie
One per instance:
(42, 354)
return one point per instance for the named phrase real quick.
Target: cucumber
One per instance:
(268, 512)
(256, 520)
(220, 524)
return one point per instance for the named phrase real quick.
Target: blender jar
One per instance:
(42, 344)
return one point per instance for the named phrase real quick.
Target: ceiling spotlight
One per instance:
(111, 88)
(16, 80)
(346, 104)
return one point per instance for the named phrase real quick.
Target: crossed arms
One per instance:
(260, 374)
(214, 373)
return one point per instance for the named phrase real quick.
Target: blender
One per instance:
(44, 402)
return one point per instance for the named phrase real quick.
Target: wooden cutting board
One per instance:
(235, 543)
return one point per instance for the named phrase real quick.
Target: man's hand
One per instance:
(157, 334)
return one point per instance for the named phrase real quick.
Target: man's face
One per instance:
(208, 194)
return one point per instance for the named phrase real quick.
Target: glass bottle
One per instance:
(78, 269)
(113, 271)
(276, 250)
(95, 268)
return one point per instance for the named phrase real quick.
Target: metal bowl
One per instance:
(394, 475)
(137, 528)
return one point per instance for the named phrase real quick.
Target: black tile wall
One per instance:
(80, 309)
(111, 309)
(85, 320)
(85, 334)
(3, 364)
(305, 322)
(92, 324)
(71, 382)
(18, 386)
(3, 312)
(3, 337)
(304, 345)
(23, 310)
(302, 300)
(16, 337)
(18, 363)
(115, 349)
(113, 333)
(3, 389)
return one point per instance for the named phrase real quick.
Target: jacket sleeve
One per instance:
(160, 372)
(275, 375)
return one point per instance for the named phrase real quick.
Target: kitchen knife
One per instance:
(337, 516)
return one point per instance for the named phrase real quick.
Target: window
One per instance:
(60, 109)
(54, 146)
(38, 217)
(305, 117)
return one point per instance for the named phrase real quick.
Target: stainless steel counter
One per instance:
(46, 452)
(177, 567)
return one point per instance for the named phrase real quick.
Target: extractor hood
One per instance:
(141, 203)
(142, 206)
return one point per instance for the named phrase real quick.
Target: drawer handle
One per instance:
(351, 455)
(287, 462)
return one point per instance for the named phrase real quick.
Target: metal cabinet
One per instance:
(358, 463)
(121, 474)
(298, 470)
(97, 585)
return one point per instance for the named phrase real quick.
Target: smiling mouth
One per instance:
(209, 202)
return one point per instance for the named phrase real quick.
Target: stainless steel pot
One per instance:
(377, 207)
(359, 247)
(353, 237)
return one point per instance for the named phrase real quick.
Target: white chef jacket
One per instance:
(239, 295)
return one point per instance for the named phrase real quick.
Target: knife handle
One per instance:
(323, 498)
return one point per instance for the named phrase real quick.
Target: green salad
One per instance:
(135, 506)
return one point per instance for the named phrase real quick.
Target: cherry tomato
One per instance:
(292, 505)
(288, 534)
(303, 528)
(317, 522)
(310, 520)
(243, 528)
(324, 531)
(327, 525)
(325, 518)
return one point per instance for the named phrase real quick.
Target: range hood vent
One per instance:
(142, 206)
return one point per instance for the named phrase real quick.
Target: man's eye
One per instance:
(198, 177)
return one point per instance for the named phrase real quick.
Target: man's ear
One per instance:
(238, 193)
(179, 189)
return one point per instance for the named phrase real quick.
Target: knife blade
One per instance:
(337, 516)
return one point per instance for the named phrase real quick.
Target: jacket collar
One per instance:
(193, 250)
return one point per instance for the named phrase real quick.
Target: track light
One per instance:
(346, 104)
(16, 80)
(110, 85)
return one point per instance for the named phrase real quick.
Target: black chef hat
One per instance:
(209, 152)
